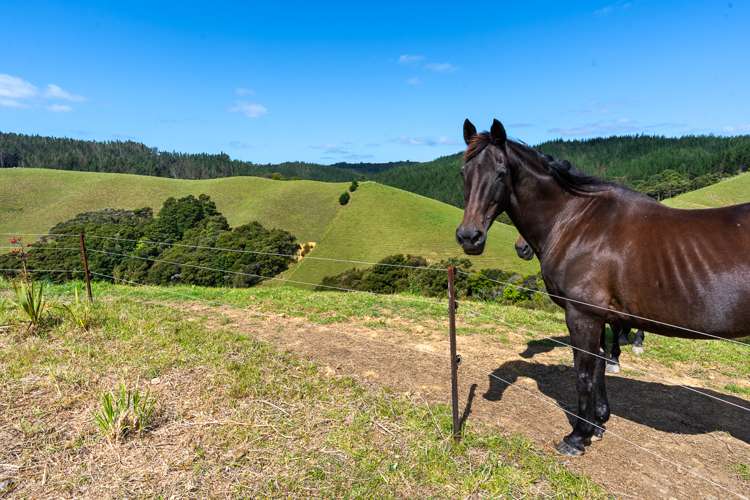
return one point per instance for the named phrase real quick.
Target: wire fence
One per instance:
(473, 306)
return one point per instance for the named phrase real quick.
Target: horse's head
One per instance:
(523, 249)
(486, 184)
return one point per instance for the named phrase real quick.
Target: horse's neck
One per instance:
(539, 207)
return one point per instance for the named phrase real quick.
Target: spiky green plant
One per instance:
(124, 412)
(29, 298)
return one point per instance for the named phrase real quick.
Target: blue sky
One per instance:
(381, 81)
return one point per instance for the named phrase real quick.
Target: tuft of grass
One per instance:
(743, 471)
(80, 312)
(124, 412)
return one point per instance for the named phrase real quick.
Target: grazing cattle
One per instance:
(608, 254)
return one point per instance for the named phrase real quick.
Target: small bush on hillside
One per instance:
(353, 186)
(344, 198)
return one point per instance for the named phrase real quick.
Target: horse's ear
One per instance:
(497, 133)
(469, 131)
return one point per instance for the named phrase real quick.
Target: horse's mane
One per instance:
(565, 173)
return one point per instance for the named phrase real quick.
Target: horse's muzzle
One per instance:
(471, 239)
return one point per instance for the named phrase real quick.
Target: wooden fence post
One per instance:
(454, 356)
(86, 273)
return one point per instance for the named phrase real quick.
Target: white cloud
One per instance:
(414, 81)
(244, 91)
(16, 92)
(409, 59)
(13, 89)
(609, 9)
(613, 127)
(56, 92)
(425, 141)
(11, 103)
(59, 108)
(441, 67)
(249, 109)
(737, 129)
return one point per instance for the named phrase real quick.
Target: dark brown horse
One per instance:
(609, 254)
(621, 331)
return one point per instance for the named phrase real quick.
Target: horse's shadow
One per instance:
(668, 408)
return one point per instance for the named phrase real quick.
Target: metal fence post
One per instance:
(86, 273)
(454, 356)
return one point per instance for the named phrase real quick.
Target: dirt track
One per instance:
(707, 437)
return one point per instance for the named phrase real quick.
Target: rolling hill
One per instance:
(658, 166)
(726, 192)
(378, 221)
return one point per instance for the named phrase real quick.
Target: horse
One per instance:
(620, 330)
(608, 254)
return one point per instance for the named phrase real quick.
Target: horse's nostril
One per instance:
(476, 237)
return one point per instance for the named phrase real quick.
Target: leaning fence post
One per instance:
(454, 356)
(86, 273)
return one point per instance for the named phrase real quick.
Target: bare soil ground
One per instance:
(683, 434)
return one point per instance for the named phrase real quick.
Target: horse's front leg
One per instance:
(585, 334)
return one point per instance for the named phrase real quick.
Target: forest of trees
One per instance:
(659, 166)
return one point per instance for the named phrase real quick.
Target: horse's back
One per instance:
(685, 267)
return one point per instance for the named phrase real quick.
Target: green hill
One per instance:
(377, 222)
(726, 192)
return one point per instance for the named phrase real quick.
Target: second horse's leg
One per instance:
(613, 361)
(638, 342)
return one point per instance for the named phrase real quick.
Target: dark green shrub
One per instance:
(165, 249)
(344, 198)
(353, 186)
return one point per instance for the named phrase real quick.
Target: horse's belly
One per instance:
(716, 304)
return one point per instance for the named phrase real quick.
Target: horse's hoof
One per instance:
(613, 368)
(565, 449)
(598, 434)
(637, 350)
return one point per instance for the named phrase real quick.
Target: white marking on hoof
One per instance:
(613, 368)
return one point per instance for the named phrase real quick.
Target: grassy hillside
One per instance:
(726, 192)
(378, 221)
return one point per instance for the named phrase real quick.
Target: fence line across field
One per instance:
(502, 282)
(431, 302)
(225, 271)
